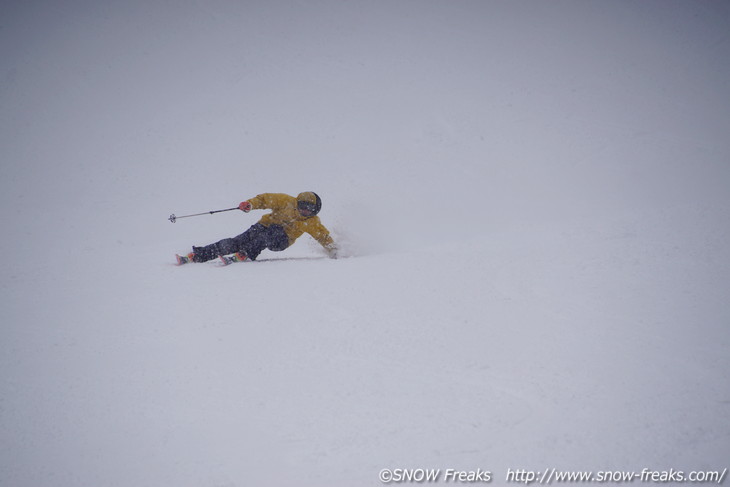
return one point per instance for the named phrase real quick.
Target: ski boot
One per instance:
(237, 257)
(184, 259)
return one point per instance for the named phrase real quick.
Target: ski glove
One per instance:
(245, 206)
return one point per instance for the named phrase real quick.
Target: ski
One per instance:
(224, 260)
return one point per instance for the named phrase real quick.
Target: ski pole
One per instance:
(174, 218)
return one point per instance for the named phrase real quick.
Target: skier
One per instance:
(289, 219)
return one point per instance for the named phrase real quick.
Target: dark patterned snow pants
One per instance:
(251, 242)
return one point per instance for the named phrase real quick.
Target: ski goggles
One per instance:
(307, 208)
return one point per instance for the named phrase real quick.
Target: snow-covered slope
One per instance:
(532, 199)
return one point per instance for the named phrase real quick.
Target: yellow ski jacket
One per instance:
(284, 212)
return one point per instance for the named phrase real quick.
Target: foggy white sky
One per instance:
(516, 99)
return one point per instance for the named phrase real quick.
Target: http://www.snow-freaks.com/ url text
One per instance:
(548, 476)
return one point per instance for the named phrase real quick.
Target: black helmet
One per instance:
(309, 203)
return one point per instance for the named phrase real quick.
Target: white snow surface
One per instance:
(532, 198)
